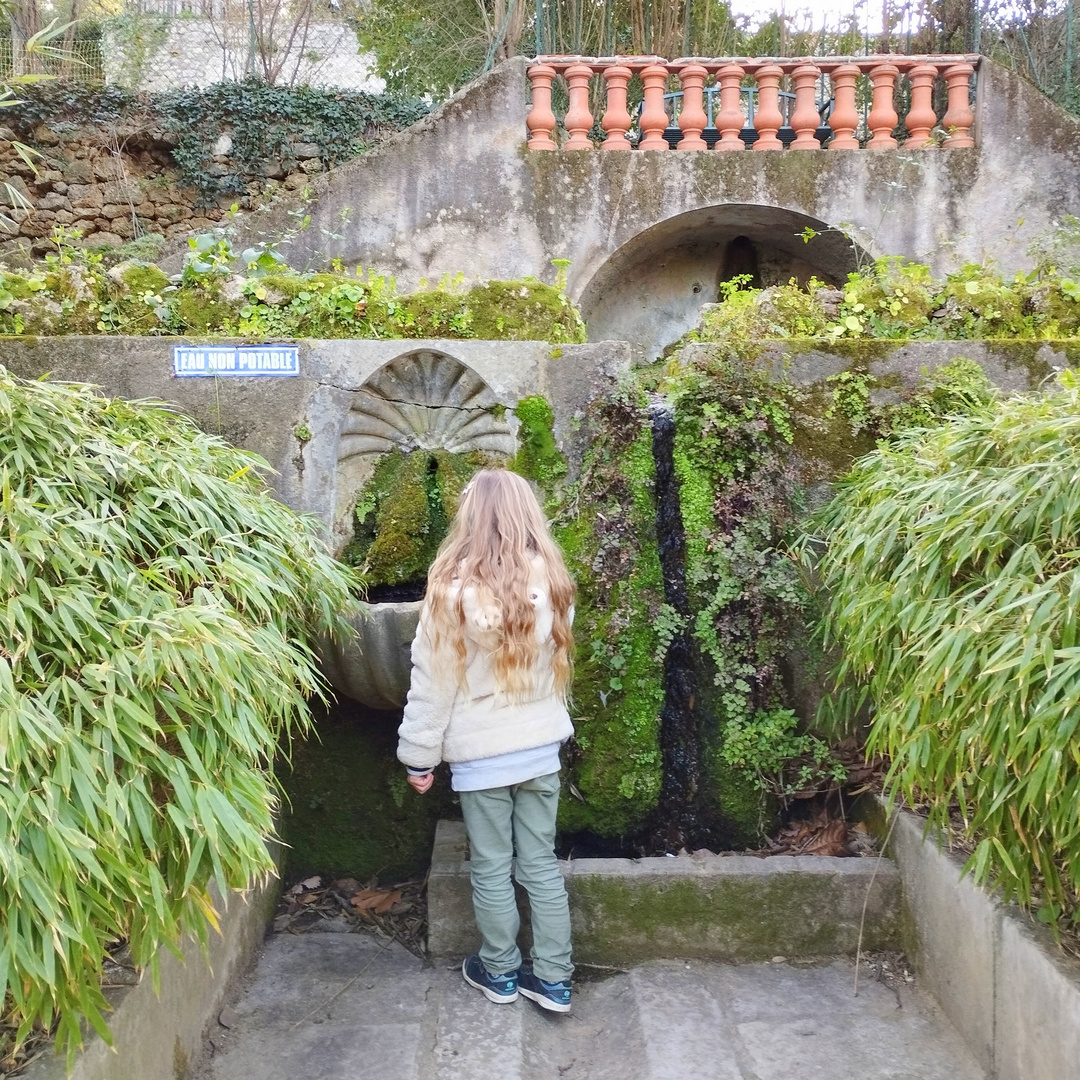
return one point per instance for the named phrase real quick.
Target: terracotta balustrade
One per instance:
(803, 103)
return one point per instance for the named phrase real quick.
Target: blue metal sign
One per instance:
(245, 360)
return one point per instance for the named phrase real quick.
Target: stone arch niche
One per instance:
(651, 290)
(422, 400)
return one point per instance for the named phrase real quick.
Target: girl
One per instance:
(491, 670)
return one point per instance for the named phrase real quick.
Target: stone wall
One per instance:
(119, 183)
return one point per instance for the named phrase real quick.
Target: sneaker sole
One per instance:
(543, 1002)
(499, 999)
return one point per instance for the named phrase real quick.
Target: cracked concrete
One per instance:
(349, 1007)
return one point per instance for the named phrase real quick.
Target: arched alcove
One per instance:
(421, 400)
(650, 292)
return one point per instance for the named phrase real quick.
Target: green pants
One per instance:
(502, 821)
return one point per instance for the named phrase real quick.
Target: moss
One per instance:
(144, 278)
(203, 311)
(523, 311)
(751, 812)
(538, 458)
(404, 510)
(349, 811)
(607, 531)
(493, 311)
(17, 285)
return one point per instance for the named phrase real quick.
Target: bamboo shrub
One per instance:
(158, 610)
(952, 571)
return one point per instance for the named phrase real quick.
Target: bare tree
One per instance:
(267, 39)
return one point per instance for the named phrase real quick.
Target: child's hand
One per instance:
(421, 783)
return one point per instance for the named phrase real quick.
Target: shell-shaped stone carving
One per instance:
(424, 400)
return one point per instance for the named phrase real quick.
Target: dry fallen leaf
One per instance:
(375, 900)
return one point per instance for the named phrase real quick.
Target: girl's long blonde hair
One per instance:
(498, 531)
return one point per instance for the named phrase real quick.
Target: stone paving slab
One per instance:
(348, 1007)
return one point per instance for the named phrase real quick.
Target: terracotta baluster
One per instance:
(921, 117)
(729, 120)
(541, 119)
(692, 118)
(616, 121)
(805, 119)
(844, 118)
(654, 118)
(768, 118)
(882, 119)
(578, 119)
(958, 117)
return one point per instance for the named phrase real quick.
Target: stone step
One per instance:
(708, 907)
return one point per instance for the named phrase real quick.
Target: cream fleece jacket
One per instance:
(444, 723)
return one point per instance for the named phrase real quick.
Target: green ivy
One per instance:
(263, 121)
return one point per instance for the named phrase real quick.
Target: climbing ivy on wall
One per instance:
(264, 122)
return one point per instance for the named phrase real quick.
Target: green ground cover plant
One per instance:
(158, 615)
(893, 298)
(952, 575)
(253, 293)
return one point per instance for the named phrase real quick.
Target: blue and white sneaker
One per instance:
(553, 996)
(502, 989)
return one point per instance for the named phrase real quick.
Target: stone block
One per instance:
(104, 238)
(79, 172)
(54, 201)
(45, 136)
(712, 907)
(171, 213)
(85, 195)
(121, 191)
(106, 169)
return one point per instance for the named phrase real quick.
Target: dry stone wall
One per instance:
(119, 183)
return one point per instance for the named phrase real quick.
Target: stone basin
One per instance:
(373, 666)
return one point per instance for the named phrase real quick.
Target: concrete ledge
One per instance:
(717, 907)
(161, 1037)
(1010, 992)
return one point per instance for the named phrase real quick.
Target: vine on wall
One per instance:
(268, 126)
